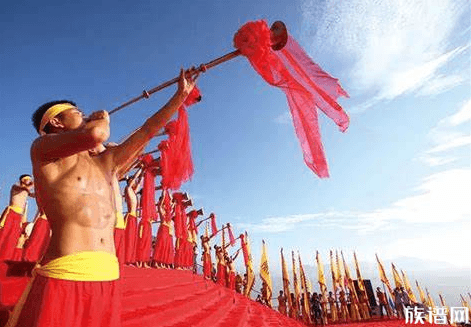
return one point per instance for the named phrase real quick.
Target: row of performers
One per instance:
(175, 244)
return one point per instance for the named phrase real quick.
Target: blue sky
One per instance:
(400, 175)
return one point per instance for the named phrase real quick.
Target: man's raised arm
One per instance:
(94, 131)
(136, 142)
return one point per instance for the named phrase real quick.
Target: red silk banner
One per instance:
(244, 249)
(179, 220)
(231, 235)
(149, 212)
(179, 161)
(214, 227)
(304, 83)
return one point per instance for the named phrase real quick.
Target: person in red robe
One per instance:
(206, 257)
(221, 266)
(231, 271)
(164, 251)
(130, 231)
(38, 241)
(183, 247)
(13, 216)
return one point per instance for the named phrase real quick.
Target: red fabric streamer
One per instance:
(180, 217)
(149, 212)
(193, 230)
(214, 227)
(179, 164)
(304, 83)
(231, 235)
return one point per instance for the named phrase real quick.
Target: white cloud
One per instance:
(442, 197)
(283, 119)
(396, 46)
(441, 84)
(445, 136)
(450, 246)
(462, 116)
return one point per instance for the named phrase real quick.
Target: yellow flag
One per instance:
(430, 300)
(408, 286)
(320, 276)
(265, 272)
(361, 285)
(306, 302)
(340, 272)
(333, 269)
(465, 304)
(423, 299)
(349, 279)
(250, 271)
(397, 279)
(353, 293)
(383, 278)
(284, 270)
(295, 281)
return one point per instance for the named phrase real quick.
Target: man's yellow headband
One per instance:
(53, 112)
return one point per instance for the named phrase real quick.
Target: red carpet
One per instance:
(176, 298)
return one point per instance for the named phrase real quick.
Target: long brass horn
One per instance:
(278, 37)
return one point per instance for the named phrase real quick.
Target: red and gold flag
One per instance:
(343, 282)
(408, 286)
(297, 292)
(383, 278)
(265, 273)
(284, 270)
(306, 302)
(397, 279)
(353, 293)
(429, 299)
(333, 269)
(321, 276)
(361, 285)
(249, 267)
(423, 299)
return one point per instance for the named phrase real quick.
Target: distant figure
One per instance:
(130, 232)
(37, 243)
(316, 308)
(398, 303)
(238, 284)
(333, 307)
(344, 315)
(383, 303)
(14, 216)
(282, 303)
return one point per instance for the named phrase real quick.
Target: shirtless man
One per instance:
(14, 216)
(75, 190)
(282, 303)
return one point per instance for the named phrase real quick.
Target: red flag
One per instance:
(214, 227)
(304, 83)
(180, 164)
(244, 249)
(231, 235)
(149, 212)
(179, 220)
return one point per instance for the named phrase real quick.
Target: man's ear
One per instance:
(56, 122)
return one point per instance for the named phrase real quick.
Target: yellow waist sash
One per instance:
(16, 209)
(120, 221)
(90, 266)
